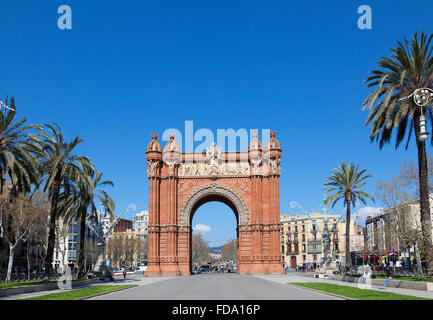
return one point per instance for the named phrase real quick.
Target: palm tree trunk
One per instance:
(348, 257)
(425, 218)
(80, 272)
(52, 234)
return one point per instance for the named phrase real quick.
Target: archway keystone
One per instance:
(179, 183)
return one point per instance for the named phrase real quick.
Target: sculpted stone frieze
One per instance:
(214, 168)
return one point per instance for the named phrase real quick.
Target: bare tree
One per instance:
(199, 248)
(229, 251)
(130, 249)
(403, 224)
(37, 233)
(410, 177)
(114, 250)
(409, 231)
(142, 250)
(16, 219)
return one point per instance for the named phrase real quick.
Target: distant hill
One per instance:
(216, 249)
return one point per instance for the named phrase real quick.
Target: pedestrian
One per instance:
(388, 277)
(398, 265)
(124, 273)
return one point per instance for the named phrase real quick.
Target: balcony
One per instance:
(315, 247)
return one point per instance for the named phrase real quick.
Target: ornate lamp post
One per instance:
(422, 97)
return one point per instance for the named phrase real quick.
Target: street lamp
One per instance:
(422, 97)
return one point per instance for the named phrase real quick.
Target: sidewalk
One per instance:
(284, 279)
(140, 281)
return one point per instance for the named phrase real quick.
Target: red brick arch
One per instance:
(179, 183)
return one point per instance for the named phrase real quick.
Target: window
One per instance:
(303, 248)
(296, 228)
(304, 258)
(72, 228)
(72, 254)
(303, 237)
(303, 228)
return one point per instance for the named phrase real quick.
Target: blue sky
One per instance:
(131, 68)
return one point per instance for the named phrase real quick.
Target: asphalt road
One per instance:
(214, 287)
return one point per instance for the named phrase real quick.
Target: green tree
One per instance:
(409, 67)
(345, 183)
(16, 150)
(58, 167)
(89, 191)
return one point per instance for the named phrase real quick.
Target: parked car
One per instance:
(204, 268)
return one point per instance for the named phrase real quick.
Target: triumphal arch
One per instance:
(179, 183)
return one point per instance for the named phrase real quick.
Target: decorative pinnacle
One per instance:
(255, 134)
(171, 136)
(154, 136)
(273, 133)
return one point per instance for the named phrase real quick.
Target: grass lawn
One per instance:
(80, 293)
(27, 283)
(405, 278)
(355, 293)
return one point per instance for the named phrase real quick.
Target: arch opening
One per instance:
(213, 193)
(214, 226)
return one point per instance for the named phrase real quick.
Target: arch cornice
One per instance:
(213, 189)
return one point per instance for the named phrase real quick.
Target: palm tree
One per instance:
(16, 150)
(57, 167)
(409, 67)
(345, 184)
(88, 191)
